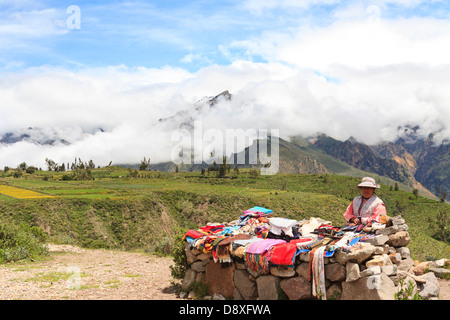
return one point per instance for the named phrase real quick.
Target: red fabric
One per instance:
(284, 254)
(194, 234)
(212, 229)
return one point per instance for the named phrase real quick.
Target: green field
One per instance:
(150, 211)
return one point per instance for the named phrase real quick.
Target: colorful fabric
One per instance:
(284, 254)
(318, 273)
(194, 234)
(222, 246)
(212, 228)
(258, 254)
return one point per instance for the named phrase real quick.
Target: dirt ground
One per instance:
(72, 273)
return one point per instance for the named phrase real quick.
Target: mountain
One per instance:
(34, 135)
(418, 163)
(433, 161)
(412, 160)
(409, 160)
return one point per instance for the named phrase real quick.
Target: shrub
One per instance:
(20, 243)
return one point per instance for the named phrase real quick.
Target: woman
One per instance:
(367, 207)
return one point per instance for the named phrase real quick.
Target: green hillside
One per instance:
(151, 209)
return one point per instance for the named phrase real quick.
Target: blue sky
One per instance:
(187, 34)
(345, 68)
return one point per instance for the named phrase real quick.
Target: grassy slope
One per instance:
(115, 211)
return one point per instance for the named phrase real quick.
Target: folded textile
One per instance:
(311, 225)
(222, 252)
(282, 226)
(284, 254)
(194, 234)
(214, 228)
(262, 246)
(258, 254)
(318, 273)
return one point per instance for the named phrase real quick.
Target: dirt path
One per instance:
(72, 273)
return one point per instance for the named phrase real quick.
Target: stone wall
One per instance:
(371, 272)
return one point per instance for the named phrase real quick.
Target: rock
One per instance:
(422, 267)
(388, 230)
(335, 272)
(395, 257)
(381, 249)
(356, 255)
(404, 274)
(218, 296)
(303, 270)
(204, 256)
(219, 279)
(268, 287)
(404, 252)
(405, 264)
(430, 288)
(379, 260)
(376, 287)
(304, 256)
(370, 271)
(296, 288)
(198, 266)
(399, 239)
(245, 287)
(200, 277)
(378, 240)
(189, 278)
(389, 270)
(352, 271)
(334, 292)
(407, 280)
(190, 256)
(440, 272)
(440, 263)
(397, 220)
(282, 271)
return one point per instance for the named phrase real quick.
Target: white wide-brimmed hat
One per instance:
(369, 183)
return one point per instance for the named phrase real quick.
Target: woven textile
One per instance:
(259, 254)
(318, 273)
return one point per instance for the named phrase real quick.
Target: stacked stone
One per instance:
(370, 272)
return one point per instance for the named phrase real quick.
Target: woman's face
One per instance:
(367, 192)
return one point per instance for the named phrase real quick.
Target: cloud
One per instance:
(357, 74)
(111, 114)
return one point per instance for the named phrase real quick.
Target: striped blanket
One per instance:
(258, 254)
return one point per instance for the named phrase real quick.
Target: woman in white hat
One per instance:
(367, 207)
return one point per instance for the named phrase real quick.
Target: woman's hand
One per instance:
(354, 222)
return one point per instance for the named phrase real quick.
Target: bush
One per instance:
(179, 257)
(21, 243)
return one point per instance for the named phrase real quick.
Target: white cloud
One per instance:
(360, 76)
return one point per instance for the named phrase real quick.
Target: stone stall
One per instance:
(308, 259)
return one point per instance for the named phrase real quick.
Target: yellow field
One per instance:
(21, 193)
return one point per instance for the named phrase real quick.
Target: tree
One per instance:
(91, 164)
(442, 195)
(223, 168)
(415, 193)
(440, 224)
(145, 164)
(50, 164)
(23, 166)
